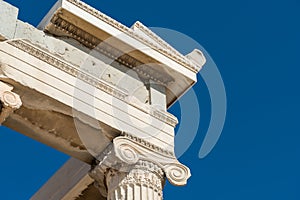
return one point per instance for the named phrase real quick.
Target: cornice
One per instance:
(157, 39)
(166, 52)
(95, 43)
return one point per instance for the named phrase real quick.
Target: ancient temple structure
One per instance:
(92, 88)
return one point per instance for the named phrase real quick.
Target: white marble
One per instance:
(8, 18)
(111, 97)
(9, 101)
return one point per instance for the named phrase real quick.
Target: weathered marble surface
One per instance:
(98, 91)
(8, 18)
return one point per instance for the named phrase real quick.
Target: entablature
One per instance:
(138, 47)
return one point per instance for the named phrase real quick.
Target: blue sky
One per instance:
(256, 46)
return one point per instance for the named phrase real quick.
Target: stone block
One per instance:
(8, 19)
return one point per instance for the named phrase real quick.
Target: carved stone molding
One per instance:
(179, 59)
(148, 145)
(157, 39)
(67, 68)
(94, 43)
(144, 181)
(131, 160)
(96, 82)
(9, 101)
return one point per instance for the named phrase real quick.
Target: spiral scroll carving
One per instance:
(11, 99)
(126, 153)
(177, 174)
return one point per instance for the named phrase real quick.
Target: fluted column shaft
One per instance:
(143, 182)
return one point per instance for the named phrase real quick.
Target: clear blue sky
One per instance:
(256, 45)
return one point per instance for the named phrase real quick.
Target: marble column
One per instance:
(9, 101)
(130, 170)
(144, 181)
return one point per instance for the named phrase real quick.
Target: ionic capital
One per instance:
(9, 101)
(128, 156)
